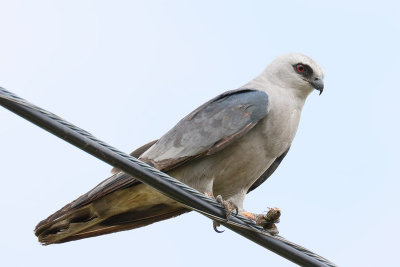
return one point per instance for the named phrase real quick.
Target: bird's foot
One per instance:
(229, 208)
(266, 221)
(228, 205)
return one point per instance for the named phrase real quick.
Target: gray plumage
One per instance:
(228, 147)
(209, 129)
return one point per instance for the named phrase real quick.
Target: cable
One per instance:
(160, 181)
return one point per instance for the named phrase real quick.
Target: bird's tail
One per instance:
(120, 210)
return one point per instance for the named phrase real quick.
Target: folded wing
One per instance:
(121, 202)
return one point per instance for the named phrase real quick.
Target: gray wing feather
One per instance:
(209, 128)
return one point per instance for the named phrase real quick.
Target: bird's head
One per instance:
(297, 72)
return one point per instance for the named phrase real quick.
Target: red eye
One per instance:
(300, 68)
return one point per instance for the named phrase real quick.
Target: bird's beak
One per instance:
(318, 84)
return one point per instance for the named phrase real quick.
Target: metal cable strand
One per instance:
(245, 222)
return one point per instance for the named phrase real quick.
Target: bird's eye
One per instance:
(300, 68)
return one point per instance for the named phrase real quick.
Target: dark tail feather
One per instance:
(120, 210)
(113, 225)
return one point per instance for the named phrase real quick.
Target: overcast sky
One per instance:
(128, 71)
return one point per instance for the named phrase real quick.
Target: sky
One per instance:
(127, 71)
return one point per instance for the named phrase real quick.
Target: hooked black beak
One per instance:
(318, 84)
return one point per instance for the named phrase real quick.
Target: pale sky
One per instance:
(127, 71)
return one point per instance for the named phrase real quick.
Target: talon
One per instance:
(215, 226)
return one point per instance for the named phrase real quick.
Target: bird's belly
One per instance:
(230, 171)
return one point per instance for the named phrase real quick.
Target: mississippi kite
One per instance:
(226, 148)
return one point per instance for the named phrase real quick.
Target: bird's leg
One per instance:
(266, 221)
(228, 205)
(229, 208)
(209, 194)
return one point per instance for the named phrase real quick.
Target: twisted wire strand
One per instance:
(245, 222)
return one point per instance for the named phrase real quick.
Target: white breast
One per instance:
(282, 121)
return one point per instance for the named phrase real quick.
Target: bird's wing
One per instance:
(209, 128)
(268, 172)
(206, 130)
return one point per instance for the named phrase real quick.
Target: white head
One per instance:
(295, 72)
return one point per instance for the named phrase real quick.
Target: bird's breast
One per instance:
(279, 128)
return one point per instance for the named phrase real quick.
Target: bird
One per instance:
(226, 148)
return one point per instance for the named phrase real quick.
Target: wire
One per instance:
(160, 181)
